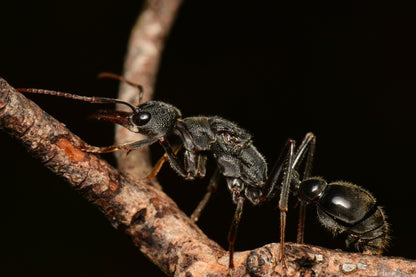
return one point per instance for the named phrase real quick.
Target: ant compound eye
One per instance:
(141, 118)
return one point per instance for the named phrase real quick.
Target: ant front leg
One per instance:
(194, 163)
(161, 162)
(174, 161)
(107, 149)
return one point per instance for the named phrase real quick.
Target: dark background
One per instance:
(344, 71)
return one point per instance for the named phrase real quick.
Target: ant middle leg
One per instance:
(212, 188)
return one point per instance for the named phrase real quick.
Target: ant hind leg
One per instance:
(282, 173)
(283, 201)
(306, 147)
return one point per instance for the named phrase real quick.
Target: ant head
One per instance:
(152, 118)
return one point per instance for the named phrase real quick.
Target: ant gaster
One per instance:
(342, 207)
(243, 167)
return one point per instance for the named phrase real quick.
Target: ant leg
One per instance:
(160, 163)
(283, 202)
(156, 168)
(212, 187)
(301, 223)
(193, 166)
(107, 149)
(307, 146)
(276, 172)
(283, 168)
(174, 161)
(232, 234)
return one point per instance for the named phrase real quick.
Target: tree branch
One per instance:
(154, 221)
(156, 225)
(141, 66)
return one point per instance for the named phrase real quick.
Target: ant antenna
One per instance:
(93, 99)
(122, 79)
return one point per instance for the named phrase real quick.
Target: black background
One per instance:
(344, 71)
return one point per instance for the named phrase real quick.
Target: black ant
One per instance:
(243, 167)
(342, 207)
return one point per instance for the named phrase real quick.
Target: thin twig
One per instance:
(141, 65)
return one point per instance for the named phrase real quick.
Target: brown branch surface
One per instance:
(141, 66)
(154, 222)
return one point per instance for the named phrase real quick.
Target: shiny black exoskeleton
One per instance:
(342, 207)
(347, 208)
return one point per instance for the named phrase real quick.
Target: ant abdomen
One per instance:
(347, 208)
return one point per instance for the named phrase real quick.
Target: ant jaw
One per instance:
(118, 117)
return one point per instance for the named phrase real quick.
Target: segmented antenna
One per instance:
(122, 79)
(93, 99)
